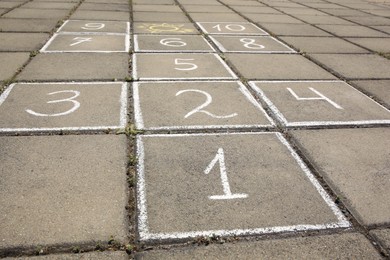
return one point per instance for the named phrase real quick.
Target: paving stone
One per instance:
(277, 66)
(105, 2)
(344, 246)
(169, 43)
(87, 43)
(199, 2)
(180, 192)
(9, 5)
(180, 66)
(324, 19)
(100, 15)
(175, 105)
(48, 5)
(278, 4)
(67, 106)
(2, 10)
(104, 7)
(22, 41)
(231, 28)
(160, 17)
(165, 28)
(255, 9)
(383, 235)
(207, 8)
(157, 8)
(345, 12)
(62, 189)
(76, 66)
(323, 45)
(33, 25)
(370, 20)
(252, 44)
(10, 62)
(355, 163)
(153, 2)
(316, 103)
(300, 11)
(294, 29)
(378, 88)
(273, 18)
(354, 66)
(241, 3)
(37, 13)
(384, 28)
(322, 5)
(95, 27)
(374, 44)
(351, 31)
(115, 255)
(216, 17)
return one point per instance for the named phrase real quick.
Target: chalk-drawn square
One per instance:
(319, 103)
(227, 184)
(29, 107)
(196, 105)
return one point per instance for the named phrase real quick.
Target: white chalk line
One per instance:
(342, 219)
(251, 99)
(142, 200)
(139, 122)
(5, 94)
(144, 236)
(141, 194)
(41, 129)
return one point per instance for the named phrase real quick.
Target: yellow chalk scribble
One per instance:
(165, 27)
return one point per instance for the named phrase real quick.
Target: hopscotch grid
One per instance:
(137, 48)
(122, 116)
(254, 25)
(139, 118)
(223, 49)
(143, 228)
(286, 123)
(135, 70)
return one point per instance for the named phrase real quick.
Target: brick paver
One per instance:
(127, 126)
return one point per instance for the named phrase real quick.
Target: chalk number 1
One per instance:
(228, 195)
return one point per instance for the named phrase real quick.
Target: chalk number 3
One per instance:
(71, 100)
